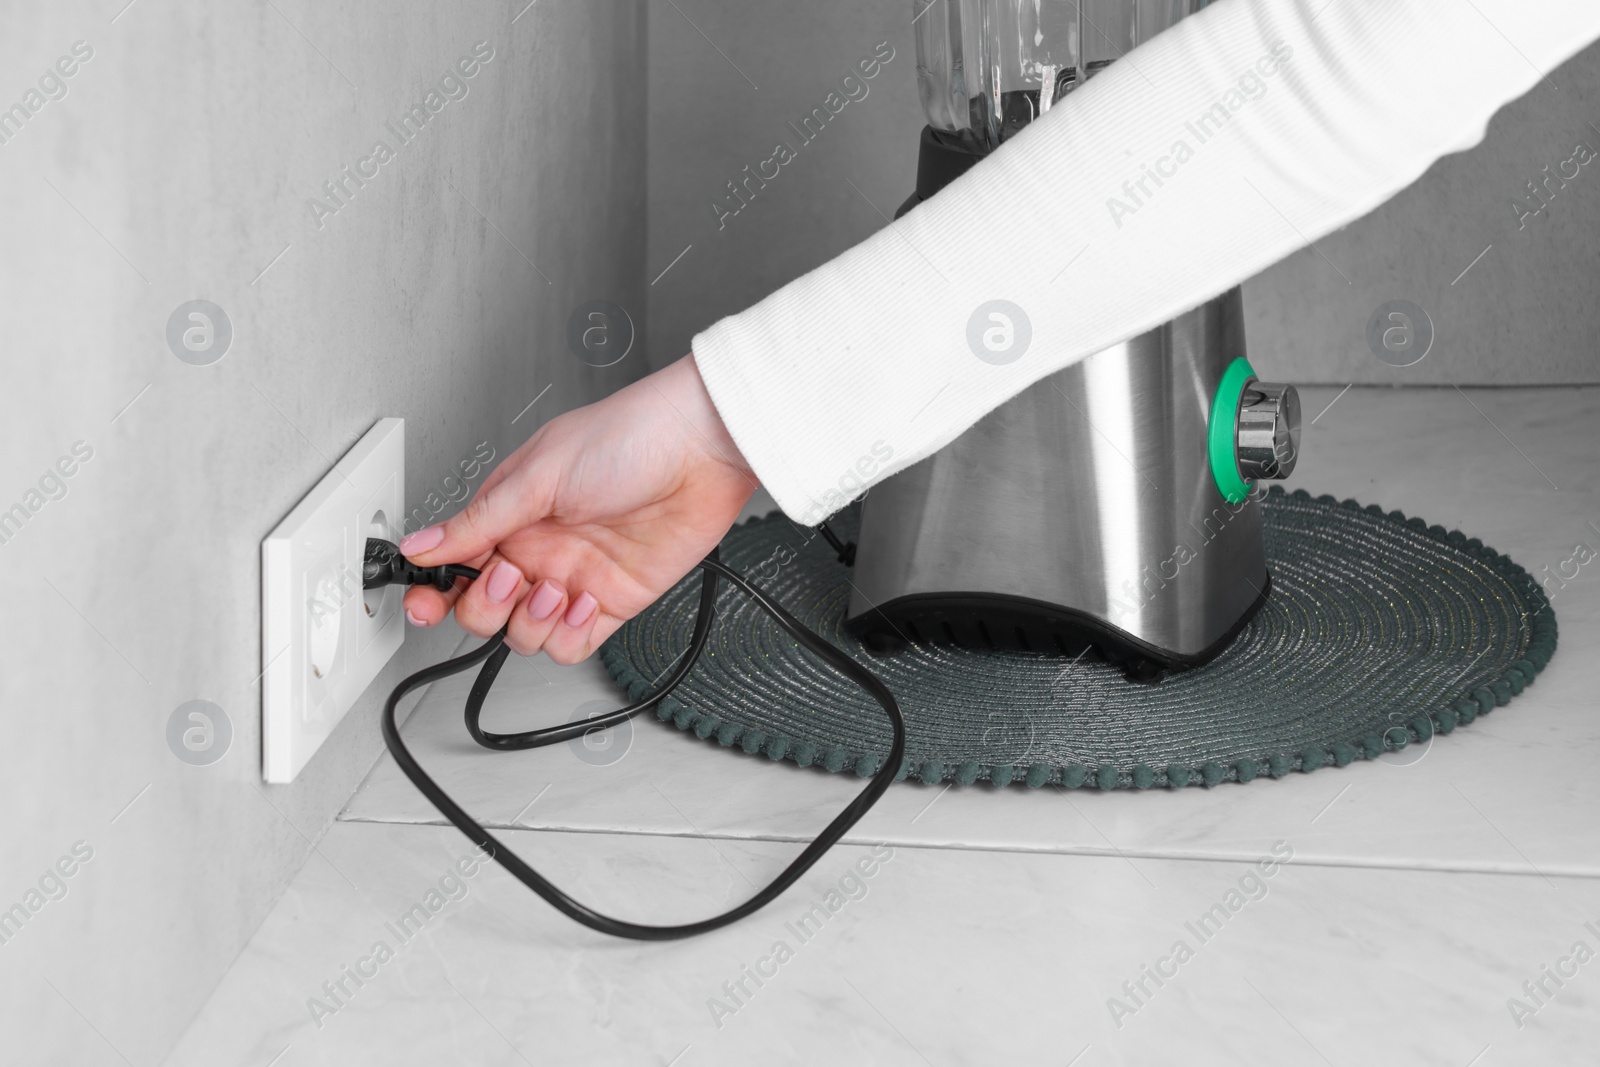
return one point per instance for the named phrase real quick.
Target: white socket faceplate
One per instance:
(323, 638)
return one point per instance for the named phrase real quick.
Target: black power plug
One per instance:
(384, 565)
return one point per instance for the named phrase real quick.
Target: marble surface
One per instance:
(1503, 795)
(939, 957)
(1420, 897)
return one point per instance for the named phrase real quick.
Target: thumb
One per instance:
(495, 512)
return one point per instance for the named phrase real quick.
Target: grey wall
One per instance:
(707, 122)
(178, 166)
(1525, 313)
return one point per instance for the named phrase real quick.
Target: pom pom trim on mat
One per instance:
(1461, 711)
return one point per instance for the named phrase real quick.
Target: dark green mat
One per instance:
(1381, 632)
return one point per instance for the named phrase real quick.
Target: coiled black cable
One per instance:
(385, 566)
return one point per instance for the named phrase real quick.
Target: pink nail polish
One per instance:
(581, 609)
(545, 600)
(502, 582)
(414, 621)
(421, 541)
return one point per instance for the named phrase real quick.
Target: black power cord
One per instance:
(385, 566)
(847, 552)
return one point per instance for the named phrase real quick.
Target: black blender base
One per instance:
(982, 621)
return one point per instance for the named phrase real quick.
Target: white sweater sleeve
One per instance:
(1265, 124)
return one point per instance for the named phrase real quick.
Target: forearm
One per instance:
(862, 367)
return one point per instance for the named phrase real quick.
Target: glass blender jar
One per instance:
(986, 68)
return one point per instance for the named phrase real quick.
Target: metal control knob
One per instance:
(1268, 435)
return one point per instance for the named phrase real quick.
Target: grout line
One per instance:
(1508, 870)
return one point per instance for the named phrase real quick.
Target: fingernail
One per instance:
(544, 601)
(413, 620)
(581, 609)
(421, 541)
(502, 582)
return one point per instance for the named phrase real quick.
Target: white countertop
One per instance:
(1420, 896)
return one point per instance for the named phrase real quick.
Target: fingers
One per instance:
(481, 608)
(569, 640)
(537, 617)
(498, 510)
(427, 606)
(562, 626)
(489, 601)
(540, 612)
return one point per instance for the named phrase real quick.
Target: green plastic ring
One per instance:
(1222, 440)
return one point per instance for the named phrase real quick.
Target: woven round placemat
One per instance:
(1380, 632)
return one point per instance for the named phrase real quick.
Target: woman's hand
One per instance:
(600, 512)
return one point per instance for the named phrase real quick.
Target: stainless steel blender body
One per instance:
(1085, 510)
(1110, 503)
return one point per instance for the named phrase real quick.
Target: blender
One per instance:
(1126, 485)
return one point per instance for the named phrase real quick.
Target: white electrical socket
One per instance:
(323, 638)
